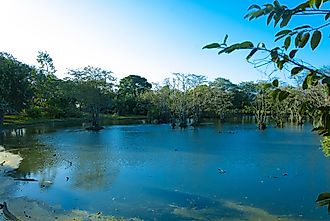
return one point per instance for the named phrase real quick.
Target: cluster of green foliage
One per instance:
(15, 91)
(284, 56)
(128, 99)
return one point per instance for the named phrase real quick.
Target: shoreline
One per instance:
(16, 122)
(23, 208)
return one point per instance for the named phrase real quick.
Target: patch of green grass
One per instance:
(19, 120)
(22, 120)
(125, 117)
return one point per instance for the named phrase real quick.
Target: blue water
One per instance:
(230, 171)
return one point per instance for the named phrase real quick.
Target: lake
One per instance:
(215, 172)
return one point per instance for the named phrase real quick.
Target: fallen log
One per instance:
(25, 179)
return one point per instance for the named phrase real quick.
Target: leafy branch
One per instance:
(284, 57)
(277, 12)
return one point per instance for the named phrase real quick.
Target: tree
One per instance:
(284, 56)
(248, 91)
(261, 104)
(295, 101)
(15, 90)
(221, 102)
(223, 84)
(45, 62)
(129, 99)
(238, 97)
(199, 100)
(50, 98)
(159, 104)
(279, 110)
(133, 85)
(181, 106)
(92, 91)
(196, 104)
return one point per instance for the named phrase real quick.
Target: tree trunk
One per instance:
(95, 121)
(262, 126)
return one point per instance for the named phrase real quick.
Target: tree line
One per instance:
(182, 99)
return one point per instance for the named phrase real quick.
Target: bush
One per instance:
(34, 112)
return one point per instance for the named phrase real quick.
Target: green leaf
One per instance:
(298, 38)
(327, 16)
(326, 80)
(268, 5)
(283, 95)
(296, 70)
(302, 6)
(253, 51)
(211, 46)
(286, 18)
(254, 6)
(311, 3)
(275, 93)
(318, 3)
(230, 49)
(305, 85)
(246, 45)
(256, 14)
(278, 38)
(275, 83)
(293, 53)
(283, 33)
(222, 51)
(280, 64)
(302, 27)
(248, 15)
(287, 42)
(321, 130)
(316, 38)
(274, 55)
(293, 33)
(304, 39)
(225, 39)
(323, 196)
(277, 18)
(270, 17)
(285, 58)
(311, 79)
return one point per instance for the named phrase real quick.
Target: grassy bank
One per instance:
(19, 120)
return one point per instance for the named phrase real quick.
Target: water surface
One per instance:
(223, 172)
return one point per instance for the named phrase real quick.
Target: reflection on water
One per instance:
(94, 170)
(156, 173)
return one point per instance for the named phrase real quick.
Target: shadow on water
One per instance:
(93, 169)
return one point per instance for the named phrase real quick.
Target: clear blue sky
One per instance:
(151, 38)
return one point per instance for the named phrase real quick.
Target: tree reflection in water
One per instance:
(92, 172)
(39, 160)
